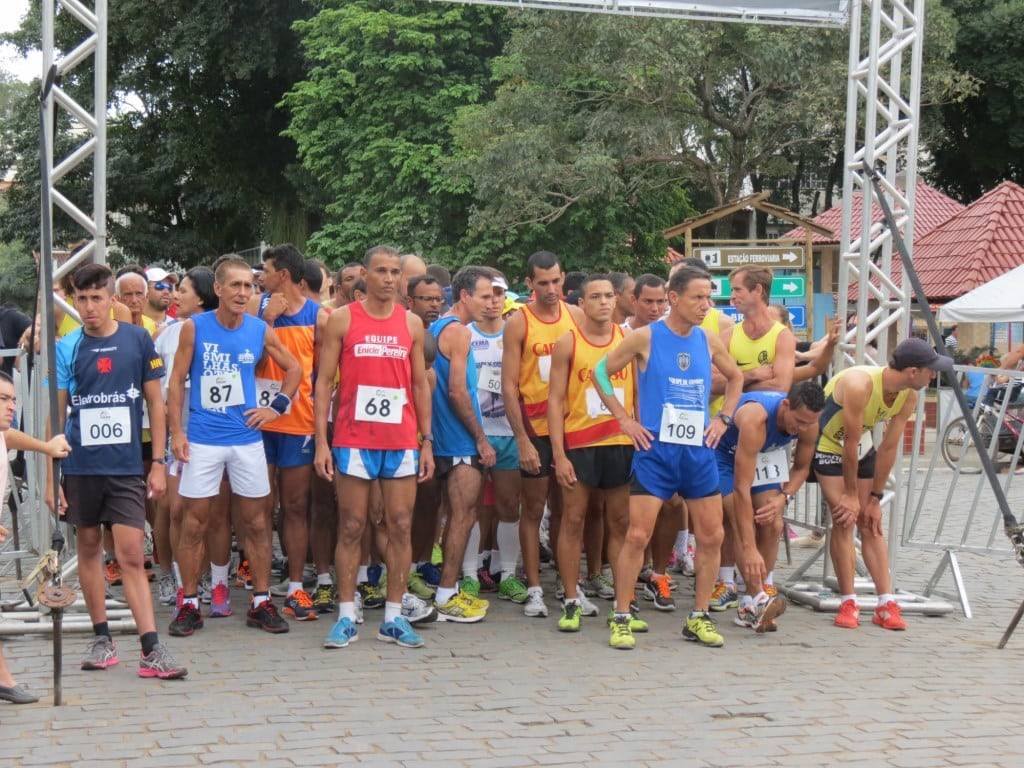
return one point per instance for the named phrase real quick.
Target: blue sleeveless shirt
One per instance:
(678, 372)
(451, 438)
(773, 437)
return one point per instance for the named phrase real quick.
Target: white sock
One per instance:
(681, 538)
(293, 587)
(219, 573)
(347, 611)
(509, 547)
(469, 556)
(769, 580)
(495, 563)
(258, 600)
(194, 601)
(177, 574)
(535, 591)
(444, 594)
(481, 558)
(849, 597)
(363, 576)
(727, 574)
(746, 601)
(392, 611)
(323, 579)
(886, 599)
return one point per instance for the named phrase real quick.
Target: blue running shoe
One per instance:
(430, 573)
(342, 633)
(400, 632)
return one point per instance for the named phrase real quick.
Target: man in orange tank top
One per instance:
(529, 337)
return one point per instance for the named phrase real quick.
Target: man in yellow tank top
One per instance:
(852, 473)
(590, 451)
(528, 339)
(765, 351)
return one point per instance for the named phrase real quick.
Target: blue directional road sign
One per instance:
(798, 316)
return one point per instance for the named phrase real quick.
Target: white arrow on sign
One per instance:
(790, 287)
(790, 256)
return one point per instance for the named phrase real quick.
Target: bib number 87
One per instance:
(220, 394)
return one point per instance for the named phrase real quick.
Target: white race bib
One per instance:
(544, 366)
(597, 409)
(379, 404)
(489, 380)
(221, 390)
(772, 467)
(681, 427)
(266, 391)
(106, 426)
(867, 442)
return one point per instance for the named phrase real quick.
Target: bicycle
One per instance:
(956, 439)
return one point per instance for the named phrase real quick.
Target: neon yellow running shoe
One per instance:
(571, 613)
(702, 629)
(622, 636)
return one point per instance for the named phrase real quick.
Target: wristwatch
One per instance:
(727, 420)
(427, 438)
(789, 498)
(878, 495)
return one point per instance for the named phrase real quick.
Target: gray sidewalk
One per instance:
(513, 691)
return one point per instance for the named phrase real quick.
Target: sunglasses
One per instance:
(163, 286)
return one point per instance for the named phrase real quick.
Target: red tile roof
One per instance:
(931, 208)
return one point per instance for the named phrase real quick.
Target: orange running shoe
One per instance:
(112, 573)
(889, 616)
(244, 577)
(849, 615)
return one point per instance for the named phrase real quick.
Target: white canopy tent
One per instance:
(998, 301)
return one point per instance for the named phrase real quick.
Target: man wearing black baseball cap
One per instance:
(852, 471)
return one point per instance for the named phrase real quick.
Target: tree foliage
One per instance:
(371, 119)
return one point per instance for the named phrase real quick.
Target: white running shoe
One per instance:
(417, 611)
(534, 607)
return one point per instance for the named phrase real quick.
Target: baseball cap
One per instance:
(156, 274)
(918, 353)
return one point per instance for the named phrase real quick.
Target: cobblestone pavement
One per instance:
(513, 691)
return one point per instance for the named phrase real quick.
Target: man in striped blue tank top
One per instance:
(674, 440)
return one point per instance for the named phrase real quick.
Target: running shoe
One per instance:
(112, 573)
(701, 629)
(458, 609)
(342, 633)
(889, 616)
(658, 591)
(299, 605)
(636, 624)
(325, 596)
(102, 653)
(161, 664)
(399, 631)
(685, 565)
(436, 555)
(487, 582)
(771, 590)
(559, 588)
(417, 611)
(622, 634)
(848, 616)
(244, 576)
(723, 597)
(371, 595)
(206, 588)
(598, 585)
(760, 616)
(166, 589)
(672, 561)
(358, 600)
(430, 573)
(477, 602)
(545, 554)
(267, 618)
(535, 607)
(418, 586)
(512, 589)
(571, 614)
(278, 566)
(186, 622)
(470, 586)
(586, 606)
(220, 601)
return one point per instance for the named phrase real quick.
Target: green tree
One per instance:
(196, 161)
(983, 140)
(371, 120)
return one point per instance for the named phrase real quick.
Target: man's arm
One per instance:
(802, 456)
(454, 342)
(285, 360)
(718, 380)
(782, 367)
(330, 350)
(750, 422)
(157, 480)
(885, 459)
(721, 358)
(511, 360)
(852, 393)
(318, 336)
(635, 347)
(561, 367)
(176, 389)
(421, 398)
(56, 447)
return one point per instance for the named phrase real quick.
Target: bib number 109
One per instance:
(681, 427)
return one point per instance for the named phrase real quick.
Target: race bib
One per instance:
(221, 390)
(266, 390)
(544, 366)
(772, 467)
(106, 426)
(867, 442)
(680, 426)
(596, 408)
(489, 380)
(379, 404)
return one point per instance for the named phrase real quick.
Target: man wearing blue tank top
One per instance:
(757, 484)
(674, 440)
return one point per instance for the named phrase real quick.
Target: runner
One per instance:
(160, 288)
(219, 352)
(105, 370)
(375, 349)
(674, 439)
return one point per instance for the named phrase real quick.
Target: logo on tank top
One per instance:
(762, 357)
(247, 358)
(683, 360)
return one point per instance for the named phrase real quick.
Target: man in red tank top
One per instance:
(375, 349)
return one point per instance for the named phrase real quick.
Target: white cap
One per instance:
(156, 274)
(499, 282)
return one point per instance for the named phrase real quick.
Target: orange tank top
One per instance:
(298, 333)
(535, 365)
(587, 422)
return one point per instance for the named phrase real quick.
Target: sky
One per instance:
(11, 13)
